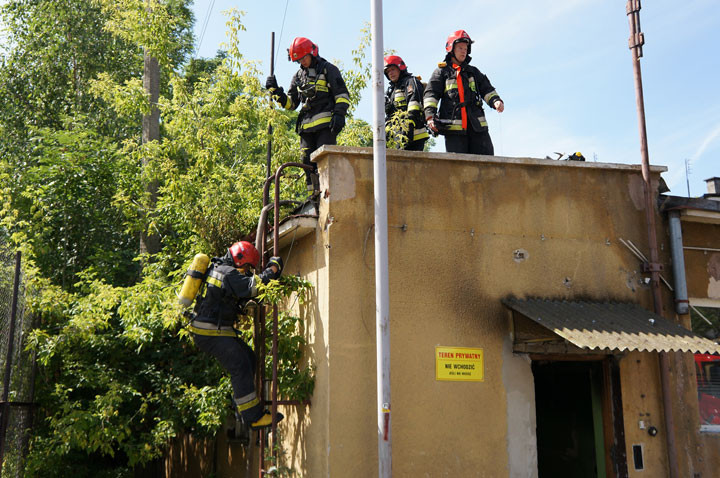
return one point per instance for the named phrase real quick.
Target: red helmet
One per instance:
(458, 36)
(394, 60)
(244, 253)
(300, 47)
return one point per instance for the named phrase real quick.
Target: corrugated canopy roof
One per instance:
(611, 326)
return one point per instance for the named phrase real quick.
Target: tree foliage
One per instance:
(119, 377)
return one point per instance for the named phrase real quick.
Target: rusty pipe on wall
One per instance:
(260, 243)
(261, 229)
(260, 237)
(260, 325)
(276, 243)
(259, 322)
(636, 42)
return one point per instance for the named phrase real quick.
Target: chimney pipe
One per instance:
(713, 188)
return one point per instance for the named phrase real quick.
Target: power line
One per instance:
(204, 28)
(282, 27)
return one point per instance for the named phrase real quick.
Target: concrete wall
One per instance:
(454, 222)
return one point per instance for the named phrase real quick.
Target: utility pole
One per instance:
(636, 42)
(150, 243)
(687, 174)
(382, 282)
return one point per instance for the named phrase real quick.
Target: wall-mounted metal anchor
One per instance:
(520, 255)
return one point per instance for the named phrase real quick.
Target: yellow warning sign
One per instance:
(459, 364)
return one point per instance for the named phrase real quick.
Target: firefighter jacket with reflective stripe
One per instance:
(226, 288)
(406, 94)
(322, 92)
(443, 92)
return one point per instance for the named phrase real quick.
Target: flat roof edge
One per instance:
(408, 155)
(669, 202)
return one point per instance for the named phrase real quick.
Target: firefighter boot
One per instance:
(313, 184)
(266, 420)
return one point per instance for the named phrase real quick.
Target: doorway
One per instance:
(574, 412)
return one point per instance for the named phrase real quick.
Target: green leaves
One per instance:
(61, 201)
(156, 26)
(115, 376)
(128, 100)
(296, 379)
(397, 130)
(118, 376)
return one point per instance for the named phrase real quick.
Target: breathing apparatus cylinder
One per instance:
(193, 279)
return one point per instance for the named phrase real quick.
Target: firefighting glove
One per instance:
(277, 262)
(337, 123)
(271, 83)
(276, 91)
(431, 125)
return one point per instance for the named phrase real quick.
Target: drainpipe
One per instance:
(382, 281)
(678, 258)
(636, 42)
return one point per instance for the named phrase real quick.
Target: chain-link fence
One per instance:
(17, 369)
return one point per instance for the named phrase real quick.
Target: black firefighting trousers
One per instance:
(470, 143)
(309, 142)
(238, 359)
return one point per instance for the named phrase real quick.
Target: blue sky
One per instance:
(563, 68)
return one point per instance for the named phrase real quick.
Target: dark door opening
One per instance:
(569, 413)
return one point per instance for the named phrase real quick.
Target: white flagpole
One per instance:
(382, 287)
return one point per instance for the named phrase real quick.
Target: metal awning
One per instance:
(302, 222)
(598, 326)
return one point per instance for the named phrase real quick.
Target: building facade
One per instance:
(522, 342)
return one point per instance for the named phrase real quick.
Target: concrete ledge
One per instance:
(292, 230)
(302, 222)
(398, 155)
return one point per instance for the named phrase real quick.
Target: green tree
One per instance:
(118, 375)
(50, 107)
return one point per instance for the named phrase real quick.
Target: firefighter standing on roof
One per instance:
(459, 89)
(403, 106)
(230, 279)
(320, 88)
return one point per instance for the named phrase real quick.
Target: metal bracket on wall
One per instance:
(652, 267)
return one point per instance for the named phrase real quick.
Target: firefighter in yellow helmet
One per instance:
(319, 87)
(454, 96)
(404, 119)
